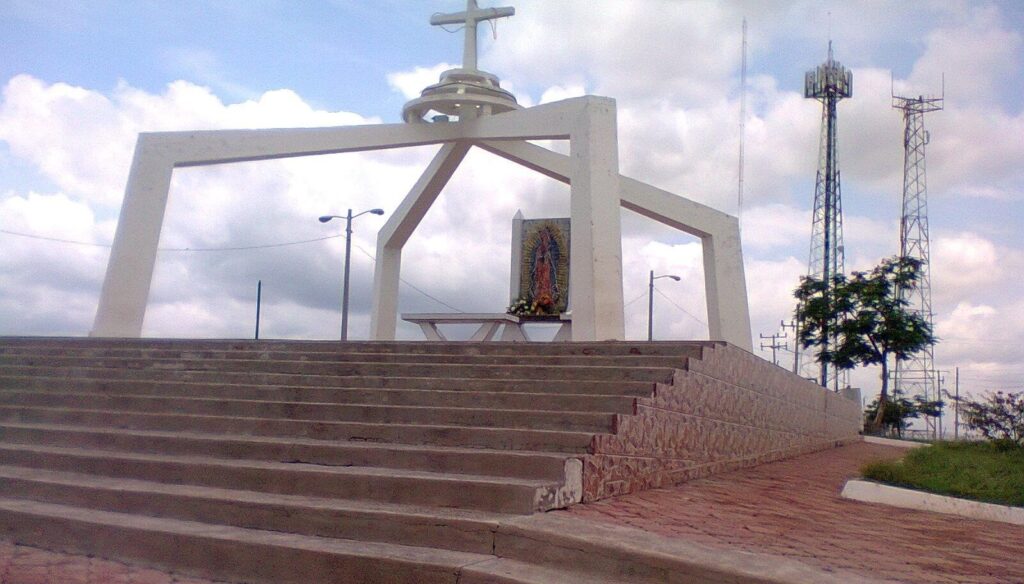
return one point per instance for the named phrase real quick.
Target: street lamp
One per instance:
(348, 255)
(650, 303)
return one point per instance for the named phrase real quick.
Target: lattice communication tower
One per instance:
(917, 375)
(828, 83)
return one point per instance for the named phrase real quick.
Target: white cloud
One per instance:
(965, 263)
(411, 83)
(560, 92)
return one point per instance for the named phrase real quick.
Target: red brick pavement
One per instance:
(20, 564)
(793, 509)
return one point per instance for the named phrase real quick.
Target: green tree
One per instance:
(864, 320)
(900, 410)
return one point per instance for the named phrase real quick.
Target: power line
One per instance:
(642, 294)
(53, 239)
(673, 302)
(406, 282)
(984, 367)
(175, 249)
(234, 248)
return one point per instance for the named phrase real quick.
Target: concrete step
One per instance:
(595, 422)
(220, 551)
(448, 529)
(184, 353)
(474, 461)
(294, 461)
(583, 402)
(439, 435)
(602, 348)
(495, 494)
(353, 369)
(25, 377)
(506, 571)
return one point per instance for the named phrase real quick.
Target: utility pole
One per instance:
(650, 303)
(796, 343)
(259, 295)
(348, 261)
(956, 415)
(774, 344)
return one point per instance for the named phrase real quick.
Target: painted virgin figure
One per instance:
(544, 271)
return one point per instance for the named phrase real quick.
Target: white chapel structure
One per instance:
(467, 108)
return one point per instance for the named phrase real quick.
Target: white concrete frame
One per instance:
(591, 169)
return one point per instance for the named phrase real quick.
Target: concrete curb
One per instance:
(872, 492)
(892, 442)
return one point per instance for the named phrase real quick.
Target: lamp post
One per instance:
(348, 255)
(650, 303)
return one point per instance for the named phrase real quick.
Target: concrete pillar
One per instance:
(515, 271)
(386, 271)
(398, 229)
(725, 287)
(125, 291)
(595, 279)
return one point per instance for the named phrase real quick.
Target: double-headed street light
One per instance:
(348, 255)
(650, 303)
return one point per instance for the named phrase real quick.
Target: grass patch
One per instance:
(983, 471)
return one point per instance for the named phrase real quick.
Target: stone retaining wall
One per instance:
(727, 410)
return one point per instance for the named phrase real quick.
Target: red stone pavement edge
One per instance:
(793, 509)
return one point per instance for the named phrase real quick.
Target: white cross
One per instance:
(470, 18)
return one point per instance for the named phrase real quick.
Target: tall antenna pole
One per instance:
(916, 375)
(743, 120)
(828, 83)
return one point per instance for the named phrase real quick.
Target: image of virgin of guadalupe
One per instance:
(544, 288)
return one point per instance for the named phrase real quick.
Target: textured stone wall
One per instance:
(725, 410)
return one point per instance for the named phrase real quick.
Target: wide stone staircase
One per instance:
(281, 461)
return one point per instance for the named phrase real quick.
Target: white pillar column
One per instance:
(122, 305)
(398, 229)
(725, 287)
(595, 279)
(384, 315)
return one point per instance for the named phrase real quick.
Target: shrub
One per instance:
(999, 416)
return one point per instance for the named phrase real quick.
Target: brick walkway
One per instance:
(793, 509)
(21, 564)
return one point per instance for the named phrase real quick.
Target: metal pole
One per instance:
(650, 309)
(344, 294)
(259, 295)
(956, 414)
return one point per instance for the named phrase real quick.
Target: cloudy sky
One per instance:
(81, 79)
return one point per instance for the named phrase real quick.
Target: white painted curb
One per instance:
(871, 492)
(896, 443)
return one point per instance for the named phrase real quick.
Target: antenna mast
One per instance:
(917, 375)
(828, 83)
(743, 120)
